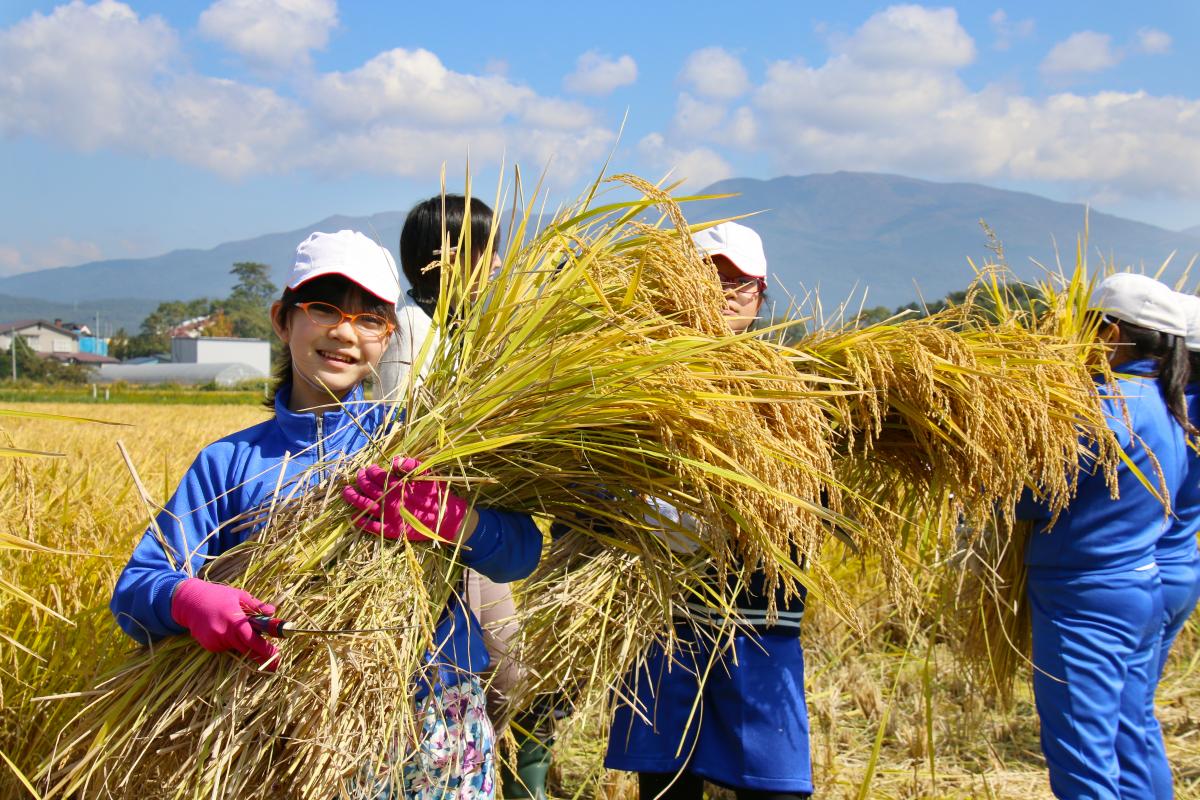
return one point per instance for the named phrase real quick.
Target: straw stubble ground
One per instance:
(86, 504)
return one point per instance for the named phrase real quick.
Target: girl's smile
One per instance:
(337, 358)
(327, 361)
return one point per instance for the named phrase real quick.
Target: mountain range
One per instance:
(838, 234)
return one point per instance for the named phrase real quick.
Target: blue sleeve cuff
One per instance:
(505, 546)
(145, 628)
(1030, 508)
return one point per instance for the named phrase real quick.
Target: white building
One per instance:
(254, 353)
(224, 375)
(40, 335)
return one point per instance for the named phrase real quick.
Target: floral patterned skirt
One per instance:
(453, 759)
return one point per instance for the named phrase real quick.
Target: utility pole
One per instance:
(12, 348)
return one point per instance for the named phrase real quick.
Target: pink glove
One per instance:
(380, 494)
(217, 616)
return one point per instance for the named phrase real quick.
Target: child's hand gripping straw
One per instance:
(381, 494)
(216, 616)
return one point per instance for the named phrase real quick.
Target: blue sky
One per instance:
(129, 129)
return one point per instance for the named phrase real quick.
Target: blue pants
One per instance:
(1180, 590)
(747, 728)
(1095, 645)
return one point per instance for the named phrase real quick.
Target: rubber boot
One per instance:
(533, 764)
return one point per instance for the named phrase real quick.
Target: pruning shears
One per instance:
(278, 628)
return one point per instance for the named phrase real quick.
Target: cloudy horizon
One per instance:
(135, 128)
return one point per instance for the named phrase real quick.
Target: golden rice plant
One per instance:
(595, 363)
(80, 515)
(988, 594)
(948, 417)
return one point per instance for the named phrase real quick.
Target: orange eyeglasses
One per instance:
(327, 315)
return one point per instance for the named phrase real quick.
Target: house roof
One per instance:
(82, 358)
(8, 327)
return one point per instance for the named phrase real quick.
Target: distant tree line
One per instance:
(1022, 295)
(243, 313)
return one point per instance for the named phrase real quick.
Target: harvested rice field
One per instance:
(893, 714)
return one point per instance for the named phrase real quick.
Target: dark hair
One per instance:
(340, 291)
(1174, 368)
(421, 241)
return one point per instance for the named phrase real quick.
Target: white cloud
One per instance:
(415, 85)
(914, 114)
(81, 73)
(911, 36)
(271, 33)
(415, 152)
(1082, 52)
(404, 112)
(62, 251)
(598, 74)
(11, 261)
(1008, 31)
(695, 117)
(227, 127)
(100, 76)
(743, 129)
(715, 73)
(1153, 41)
(699, 166)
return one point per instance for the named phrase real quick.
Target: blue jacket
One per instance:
(240, 473)
(1097, 533)
(1178, 544)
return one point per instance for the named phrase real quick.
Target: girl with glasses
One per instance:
(335, 319)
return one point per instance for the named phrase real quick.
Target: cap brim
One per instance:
(721, 252)
(391, 297)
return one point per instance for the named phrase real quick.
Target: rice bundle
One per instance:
(951, 418)
(596, 364)
(970, 404)
(988, 598)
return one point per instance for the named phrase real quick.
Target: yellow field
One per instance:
(86, 506)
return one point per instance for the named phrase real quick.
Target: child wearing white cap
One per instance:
(1094, 593)
(428, 226)
(1176, 554)
(750, 730)
(334, 318)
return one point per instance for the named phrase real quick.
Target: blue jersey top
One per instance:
(1178, 544)
(1096, 532)
(241, 472)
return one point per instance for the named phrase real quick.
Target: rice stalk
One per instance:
(595, 363)
(945, 419)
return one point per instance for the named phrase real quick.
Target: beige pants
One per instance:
(493, 606)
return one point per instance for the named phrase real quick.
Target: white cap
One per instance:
(738, 243)
(1141, 300)
(1191, 312)
(352, 255)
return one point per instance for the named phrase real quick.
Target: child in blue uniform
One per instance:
(750, 728)
(421, 242)
(1177, 556)
(1095, 599)
(334, 317)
